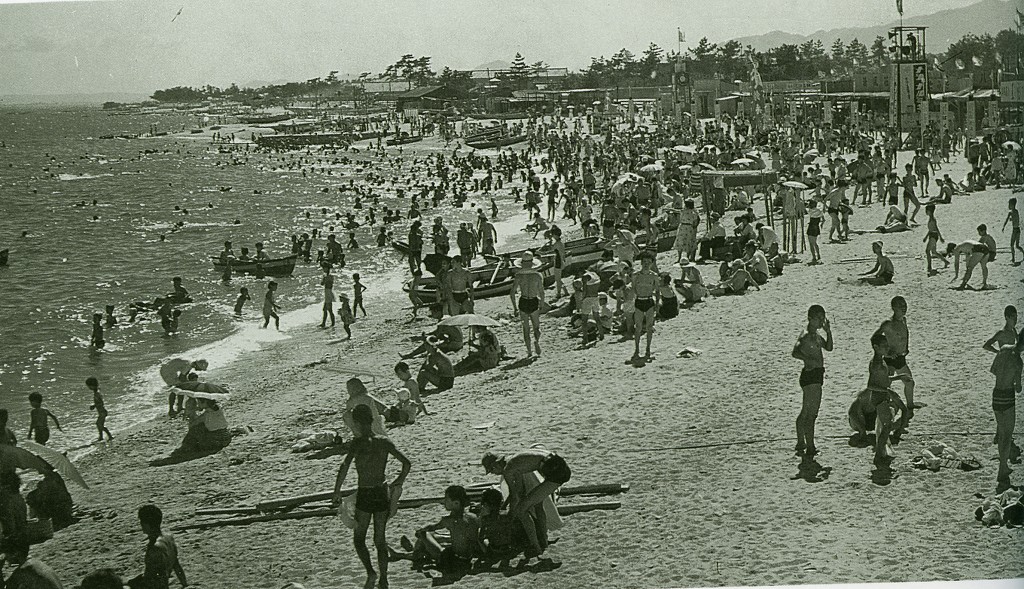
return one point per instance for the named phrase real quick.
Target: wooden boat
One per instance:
(264, 119)
(3, 257)
(404, 139)
(570, 247)
(499, 142)
(503, 286)
(499, 116)
(274, 267)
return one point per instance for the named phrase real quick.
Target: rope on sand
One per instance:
(771, 440)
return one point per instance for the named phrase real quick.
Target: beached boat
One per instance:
(264, 119)
(3, 257)
(497, 288)
(499, 142)
(405, 138)
(500, 117)
(274, 267)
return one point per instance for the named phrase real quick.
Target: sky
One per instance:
(138, 46)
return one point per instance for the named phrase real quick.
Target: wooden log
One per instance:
(473, 492)
(583, 507)
(228, 511)
(329, 511)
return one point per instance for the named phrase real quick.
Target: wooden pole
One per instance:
(330, 511)
(472, 491)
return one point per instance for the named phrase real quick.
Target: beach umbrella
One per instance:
(706, 166)
(743, 161)
(1012, 145)
(685, 149)
(795, 184)
(469, 320)
(811, 153)
(59, 462)
(651, 169)
(434, 262)
(204, 390)
(12, 457)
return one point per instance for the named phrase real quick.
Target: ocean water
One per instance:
(79, 257)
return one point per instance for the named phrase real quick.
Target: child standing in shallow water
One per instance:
(270, 306)
(243, 295)
(97, 331)
(357, 300)
(809, 348)
(39, 420)
(345, 314)
(101, 410)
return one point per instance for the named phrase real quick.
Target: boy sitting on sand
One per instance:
(875, 407)
(455, 554)
(501, 536)
(883, 271)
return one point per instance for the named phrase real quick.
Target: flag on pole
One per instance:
(935, 64)
(959, 64)
(680, 35)
(899, 7)
(1020, 19)
(976, 61)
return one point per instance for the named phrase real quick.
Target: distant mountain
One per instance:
(944, 28)
(494, 65)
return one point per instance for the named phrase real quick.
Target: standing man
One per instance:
(529, 285)
(648, 299)
(373, 496)
(808, 349)
(488, 235)
(460, 288)
(898, 337)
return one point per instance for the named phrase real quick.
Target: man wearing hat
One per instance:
(525, 503)
(528, 284)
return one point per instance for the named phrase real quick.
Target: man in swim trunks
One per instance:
(897, 337)
(437, 369)
(974, 253)
(373, 496)
(524, 502)
(809, 348)
(1007, 369)
(460, 287)
(161, 553)
(883, 271)
(528, 284)
(648, 298)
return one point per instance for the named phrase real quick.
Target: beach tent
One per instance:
(714, 183)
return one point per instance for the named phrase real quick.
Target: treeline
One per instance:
(979, 56)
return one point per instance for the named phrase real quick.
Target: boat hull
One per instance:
(278, 267)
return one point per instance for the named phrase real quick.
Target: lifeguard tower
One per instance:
(908, 87)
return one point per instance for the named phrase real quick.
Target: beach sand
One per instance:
(736, 512)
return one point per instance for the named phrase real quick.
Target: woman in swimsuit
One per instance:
(809, 348)
(815, 217)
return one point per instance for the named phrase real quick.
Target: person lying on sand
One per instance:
(895, 221)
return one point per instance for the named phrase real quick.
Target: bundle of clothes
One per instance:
(1003, 509)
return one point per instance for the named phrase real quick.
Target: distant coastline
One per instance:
(96, 100)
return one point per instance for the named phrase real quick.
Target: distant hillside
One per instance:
(944, 28)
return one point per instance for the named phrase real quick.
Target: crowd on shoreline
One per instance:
(614, 187)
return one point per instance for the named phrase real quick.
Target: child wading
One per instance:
(39, 425)
(809, 348)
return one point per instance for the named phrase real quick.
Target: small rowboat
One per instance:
(274, 267)
(3, 257)
(498, 142)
